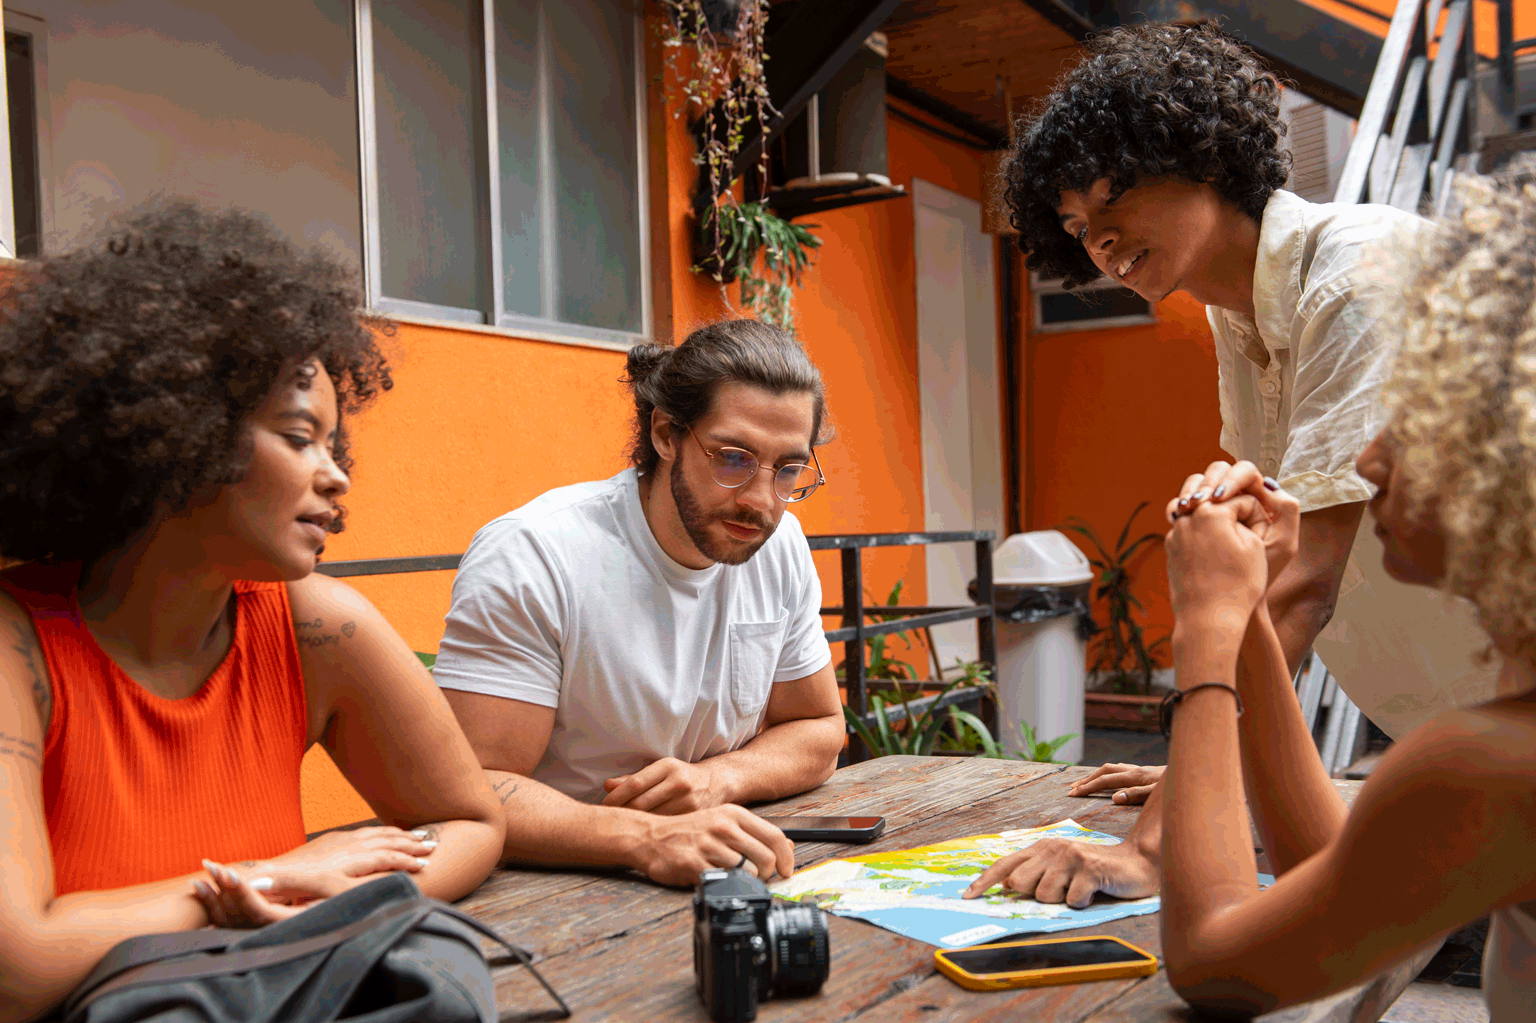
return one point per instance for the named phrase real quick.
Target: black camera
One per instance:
(747, 948)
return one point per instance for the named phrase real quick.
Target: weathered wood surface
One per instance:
(620, 948)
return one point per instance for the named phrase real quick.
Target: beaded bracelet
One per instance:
(1165, 709)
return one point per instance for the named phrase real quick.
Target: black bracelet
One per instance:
(1165, 709)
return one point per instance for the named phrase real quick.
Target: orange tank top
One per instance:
(139, 788)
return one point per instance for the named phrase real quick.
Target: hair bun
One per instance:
(644, 360)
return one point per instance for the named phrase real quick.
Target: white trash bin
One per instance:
(1041, 665)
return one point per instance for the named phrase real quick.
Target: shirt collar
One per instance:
(1276, 280)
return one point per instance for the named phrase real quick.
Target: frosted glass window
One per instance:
(597, 221)
(430, 137)
(567, 134)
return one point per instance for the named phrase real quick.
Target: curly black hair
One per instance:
(129, 367)
(1149, 101)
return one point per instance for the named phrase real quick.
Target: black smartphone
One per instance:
(829, 829)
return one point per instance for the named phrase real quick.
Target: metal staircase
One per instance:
(1421, 122)
(1420, 125)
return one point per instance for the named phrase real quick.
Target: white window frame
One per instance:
(502, 322)
(36, 29)
(1040, 286)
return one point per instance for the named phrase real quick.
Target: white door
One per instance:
(957, 379)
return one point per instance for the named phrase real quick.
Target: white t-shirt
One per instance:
(569, 602)
(1300, 388)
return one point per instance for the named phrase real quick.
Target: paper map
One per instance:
(916, 892)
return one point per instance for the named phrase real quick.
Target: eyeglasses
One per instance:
(735, 467)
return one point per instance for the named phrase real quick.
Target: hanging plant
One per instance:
(746, 236)
(726, 88)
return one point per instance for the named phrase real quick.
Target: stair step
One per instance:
(1363, 767)
(1496, 149)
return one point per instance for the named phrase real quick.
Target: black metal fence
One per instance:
(853, 631)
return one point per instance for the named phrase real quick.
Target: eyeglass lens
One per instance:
(733, 467)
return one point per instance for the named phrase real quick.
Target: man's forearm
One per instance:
(547, 827)
(783, 760)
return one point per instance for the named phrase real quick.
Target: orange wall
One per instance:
(1116, 417)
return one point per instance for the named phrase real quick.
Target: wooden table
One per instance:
(620, 948)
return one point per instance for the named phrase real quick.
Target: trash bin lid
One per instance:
(1043, 558)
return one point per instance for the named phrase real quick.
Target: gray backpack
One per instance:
(378, 953)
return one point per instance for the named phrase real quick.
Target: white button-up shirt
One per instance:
(1301, 381)
(1300, 387)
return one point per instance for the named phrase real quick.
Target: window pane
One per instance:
(428, 94)
(1085, 306)
(517, 114)
(596, 163)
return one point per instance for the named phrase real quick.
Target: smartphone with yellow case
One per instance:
(1042, 961)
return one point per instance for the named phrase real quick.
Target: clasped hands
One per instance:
(1231, 531)
(260, 892)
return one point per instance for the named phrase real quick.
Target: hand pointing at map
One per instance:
(925, 893)
(1062, 870)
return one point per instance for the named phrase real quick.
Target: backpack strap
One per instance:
(519, 954)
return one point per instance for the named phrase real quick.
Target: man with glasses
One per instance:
(633, 659)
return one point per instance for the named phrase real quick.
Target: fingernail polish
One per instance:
(1270, 483)
(202, 889)
(1198, 495)
(421, 863)
(1219, 492)
(430, 843)
(234, 878)
(262, 884)
(212, 867)
(420, 833)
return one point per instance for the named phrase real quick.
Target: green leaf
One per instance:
(862, 731)
(430, 660)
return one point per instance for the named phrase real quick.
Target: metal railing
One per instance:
(1428, 102)
(853, 631)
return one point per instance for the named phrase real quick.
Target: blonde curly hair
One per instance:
(1462, 400)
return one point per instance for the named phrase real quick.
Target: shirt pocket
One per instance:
(755, 649)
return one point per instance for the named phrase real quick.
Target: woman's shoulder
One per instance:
(1489, 747)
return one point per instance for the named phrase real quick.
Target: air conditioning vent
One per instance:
(1318, 138)
(1095, 306)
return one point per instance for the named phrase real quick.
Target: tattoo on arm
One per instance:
(505, 788)
(314, 642)
(42, 692)
(16, 746)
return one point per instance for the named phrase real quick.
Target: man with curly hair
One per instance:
(1156, 161)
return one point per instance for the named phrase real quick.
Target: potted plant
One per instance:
(1123, 659)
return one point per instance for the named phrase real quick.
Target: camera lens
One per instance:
(799, 949)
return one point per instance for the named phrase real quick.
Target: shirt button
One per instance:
(1270, 387)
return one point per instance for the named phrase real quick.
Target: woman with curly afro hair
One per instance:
(1441, 833)
(172, 455)
(1157, 162)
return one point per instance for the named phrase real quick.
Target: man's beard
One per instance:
(696, 523)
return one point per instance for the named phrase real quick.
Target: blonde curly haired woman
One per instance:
(1444, 830)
